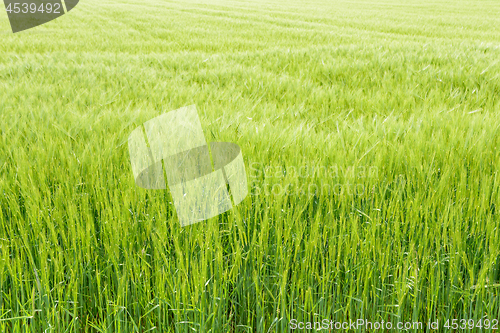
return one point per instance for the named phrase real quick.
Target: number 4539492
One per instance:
(464, 324)
(32, 8)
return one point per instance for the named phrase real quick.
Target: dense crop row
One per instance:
(407, 91)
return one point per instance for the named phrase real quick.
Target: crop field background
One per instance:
(370, 133)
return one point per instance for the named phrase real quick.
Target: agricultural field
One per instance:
(370, 133)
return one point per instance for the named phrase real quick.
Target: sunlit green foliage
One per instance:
(370, 132)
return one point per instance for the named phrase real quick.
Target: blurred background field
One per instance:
(370, 132)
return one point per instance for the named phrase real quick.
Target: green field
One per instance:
(371, 137)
